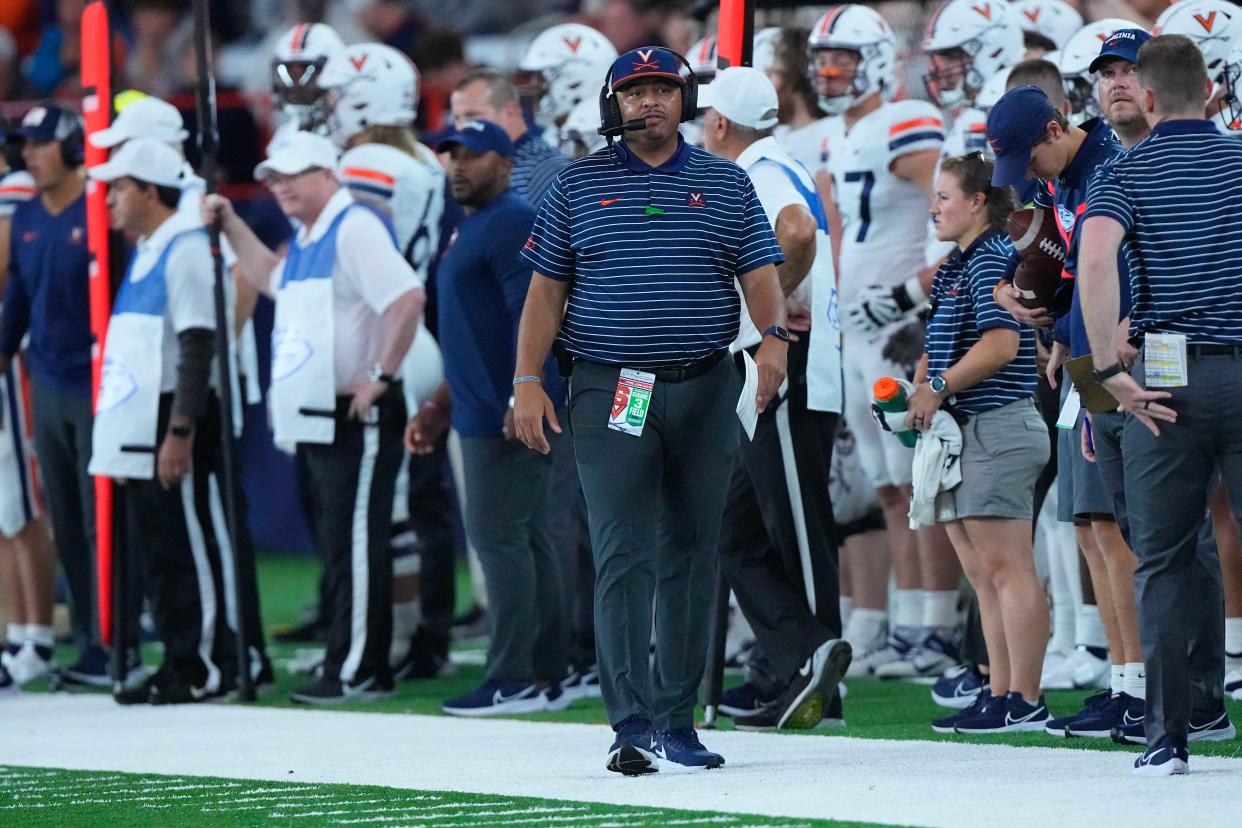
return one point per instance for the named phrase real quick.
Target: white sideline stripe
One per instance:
(829, 777)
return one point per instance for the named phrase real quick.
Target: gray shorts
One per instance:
(1003, 452)
(1080, 492)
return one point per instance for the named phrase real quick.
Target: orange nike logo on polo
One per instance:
(604, 202)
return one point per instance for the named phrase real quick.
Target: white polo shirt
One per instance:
(368, 275)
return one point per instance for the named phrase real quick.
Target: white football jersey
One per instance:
(884, 217)
(15, 187)
(411, 190)
(969, 133)
(811, 145)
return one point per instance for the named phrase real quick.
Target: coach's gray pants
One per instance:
(1168, 483)
(507, 521)
(655, 504)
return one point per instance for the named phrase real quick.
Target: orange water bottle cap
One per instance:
(885, 389)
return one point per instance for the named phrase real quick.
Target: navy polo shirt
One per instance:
(48, 296)
(481, 286)
(651, 254)
(1067, 197)
(1178, 195)
(963, 308)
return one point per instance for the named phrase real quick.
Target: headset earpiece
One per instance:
(609, 107)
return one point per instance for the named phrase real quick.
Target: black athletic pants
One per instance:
(352, 483)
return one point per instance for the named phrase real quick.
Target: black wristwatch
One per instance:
(377, 375)
(778, 332)
(1111, 371)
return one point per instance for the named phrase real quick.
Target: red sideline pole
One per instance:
(97, 113)
(735, 35)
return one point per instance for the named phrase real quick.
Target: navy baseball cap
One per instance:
(479, 136)
(49, 122)
(1124, 44)
(1017, 121)
(646, 62)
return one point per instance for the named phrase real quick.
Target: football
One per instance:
(1034, 232)
(1037, 277)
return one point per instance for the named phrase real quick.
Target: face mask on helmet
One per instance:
(1080, 93)
(835, 78)
(295, 86)
(1231, 110)
(953, 79)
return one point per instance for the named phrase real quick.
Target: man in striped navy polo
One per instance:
(1176, 198)
(644, 239)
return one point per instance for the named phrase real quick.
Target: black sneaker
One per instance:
(742, 700)
(326, 691)
(91, 669)
(801, 705)
(8, 687)
(162, 682)
(427, 658)
(633, 751)
(948, 724)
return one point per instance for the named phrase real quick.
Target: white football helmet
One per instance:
(993, 89)
(579, 135)
(1074, 62)
(1053, 20)
(858, 29)
(1213, 25)
(989, 35)
(764, 52)
(573, 60)
(297, 67)
(702, 59)
(371, 85)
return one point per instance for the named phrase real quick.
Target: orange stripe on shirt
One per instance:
(359, 172)
(914, 124)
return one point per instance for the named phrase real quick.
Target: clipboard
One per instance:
(1095, 397)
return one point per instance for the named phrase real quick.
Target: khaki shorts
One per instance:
(1003, 452)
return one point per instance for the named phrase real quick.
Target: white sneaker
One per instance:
(28, 665)
(931, 658)
(1080, 671)
(1053, 659)
(1233, 684)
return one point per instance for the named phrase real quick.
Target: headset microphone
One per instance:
(628, 126)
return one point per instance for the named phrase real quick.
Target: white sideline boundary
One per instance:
(894, 782)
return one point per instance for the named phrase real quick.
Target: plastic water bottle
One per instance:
(889, 396)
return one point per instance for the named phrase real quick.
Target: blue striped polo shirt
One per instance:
(1178, 195)
(535, 166)
(652, 253)
(963, 308)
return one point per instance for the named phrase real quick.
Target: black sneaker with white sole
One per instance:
(327, 691)
(802, 704)
(1168, 757)
(633, 751)
(742, 700)
(1213, 726)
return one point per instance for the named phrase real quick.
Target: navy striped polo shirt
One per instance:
(535, 165)
(963, 308)
(652, 253)
(1178, 194)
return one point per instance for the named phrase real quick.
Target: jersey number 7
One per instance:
(864, 200)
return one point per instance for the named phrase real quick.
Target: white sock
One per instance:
(42, 636)
(15, 635)
(1117, 683)
(1233, 640)
(846, 604)
(940, 609)
(1136, 680)
(864, 629)
(908, 608)
(1090, 629)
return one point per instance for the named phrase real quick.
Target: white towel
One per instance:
(937, 469)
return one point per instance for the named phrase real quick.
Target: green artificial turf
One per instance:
(44, 796)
